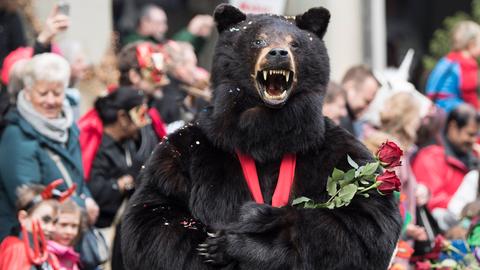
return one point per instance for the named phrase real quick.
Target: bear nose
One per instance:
(277, 53)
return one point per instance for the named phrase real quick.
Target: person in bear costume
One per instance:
(195, 209)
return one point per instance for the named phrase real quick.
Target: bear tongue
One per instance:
(274, 90)
(274, 87)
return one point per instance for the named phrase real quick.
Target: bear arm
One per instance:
(261, 239)
(362, 235)
(157, 213)
(288, 238)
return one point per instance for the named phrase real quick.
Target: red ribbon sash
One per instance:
(284, 182)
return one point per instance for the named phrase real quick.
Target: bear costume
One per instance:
(194, 208)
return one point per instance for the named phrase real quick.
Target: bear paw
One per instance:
(213, 250)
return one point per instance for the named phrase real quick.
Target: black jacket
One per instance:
(12, 35)
(110, 164)
(171, 103)
(172, 107)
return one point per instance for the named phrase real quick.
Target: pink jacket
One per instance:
(66, 255)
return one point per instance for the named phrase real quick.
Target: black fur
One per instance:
(193, 183)
(226, 16)
(314, 20)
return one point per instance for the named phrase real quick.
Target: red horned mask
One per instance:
(151, 62)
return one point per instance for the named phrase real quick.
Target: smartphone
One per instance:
(63, 7)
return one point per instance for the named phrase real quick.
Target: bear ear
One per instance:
(314, 20)
(226, 15)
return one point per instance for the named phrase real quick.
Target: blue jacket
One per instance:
(24, 160)
(454, 81)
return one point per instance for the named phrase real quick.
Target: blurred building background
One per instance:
(373, 32)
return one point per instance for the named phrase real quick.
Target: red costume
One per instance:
(16, 253)
(440, 173)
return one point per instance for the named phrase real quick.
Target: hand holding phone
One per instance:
(56, 22)
(63, 7)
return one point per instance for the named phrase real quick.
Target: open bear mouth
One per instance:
(275, 85)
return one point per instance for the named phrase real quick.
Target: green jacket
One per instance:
(24, 160)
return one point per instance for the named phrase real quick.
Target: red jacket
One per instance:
(13, 256)
(91, 129)
(440, 173)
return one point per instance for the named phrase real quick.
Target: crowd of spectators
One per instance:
(99, 154)
(438, 133)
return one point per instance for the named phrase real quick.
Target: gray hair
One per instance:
(15, 79)
(463, 34)
(46, 67)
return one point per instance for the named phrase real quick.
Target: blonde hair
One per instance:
(70, 207)
(398, 111)
(374, 140)
(48, 67)
(463, 34)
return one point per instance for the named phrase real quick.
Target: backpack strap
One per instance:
(61, 167)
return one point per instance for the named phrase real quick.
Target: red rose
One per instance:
(389, 155)
(389, 182)
(423, 265)
(440, 243)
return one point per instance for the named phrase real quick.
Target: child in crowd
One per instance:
(67, 231)
(454, 80)
(37, 215)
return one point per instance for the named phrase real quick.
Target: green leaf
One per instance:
(301, 200)
(338, 202)
(370, 178)
(337, 174)
(366, 195)
(370, 168)
(310, 204)
(352, 162)
(348, 192)
(331, 186)
(349, 175)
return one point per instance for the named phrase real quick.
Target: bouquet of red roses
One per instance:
(343, 186)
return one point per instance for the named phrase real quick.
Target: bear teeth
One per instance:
(285, 73)
(281, 96)
(275, 72)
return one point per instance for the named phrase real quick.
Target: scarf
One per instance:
(54, 129)
(67, 256)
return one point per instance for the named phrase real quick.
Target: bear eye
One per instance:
(294, 44)
(260, 43)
